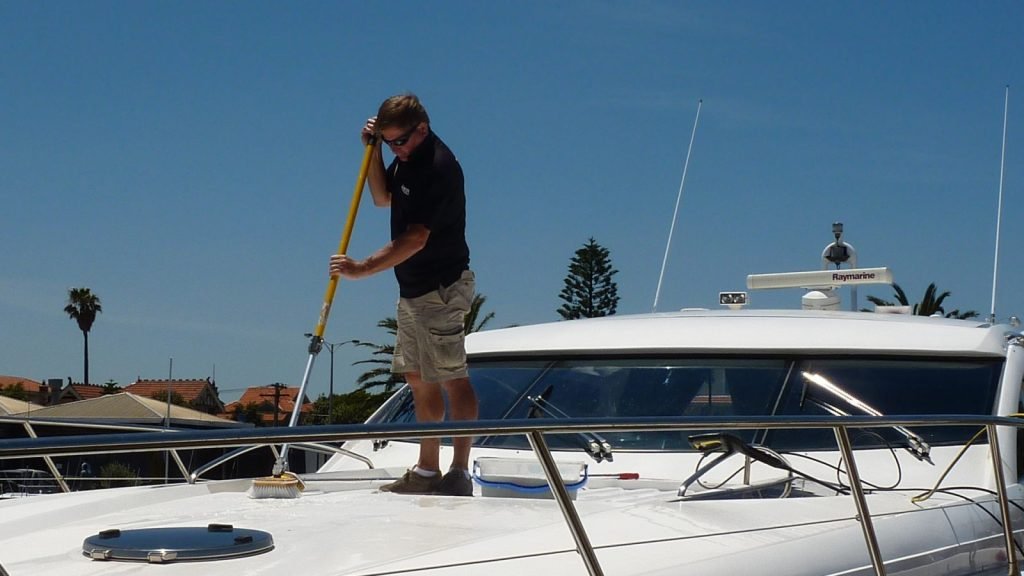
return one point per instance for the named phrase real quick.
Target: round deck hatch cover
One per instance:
(177, 544)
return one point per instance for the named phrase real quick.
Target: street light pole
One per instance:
(330, 394)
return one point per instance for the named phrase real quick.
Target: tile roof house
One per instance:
(201, 394)
(76, 392)
(53, 391)
(263, 398)
(36, 391)
(27, 383)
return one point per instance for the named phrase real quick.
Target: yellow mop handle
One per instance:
(332, 285)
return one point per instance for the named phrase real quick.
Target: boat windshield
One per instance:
(627, 387)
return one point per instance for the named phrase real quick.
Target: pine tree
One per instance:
(589, 290)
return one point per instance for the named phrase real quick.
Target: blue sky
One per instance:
(192, 162)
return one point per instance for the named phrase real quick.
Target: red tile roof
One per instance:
(188, 389)
(264, 397)
(265, 394)
(87, 391)
(27, 383)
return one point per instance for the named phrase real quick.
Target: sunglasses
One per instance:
(403, 139)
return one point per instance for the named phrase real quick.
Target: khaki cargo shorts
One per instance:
(431, 332)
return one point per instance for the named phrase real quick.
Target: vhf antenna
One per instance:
(679, 197)
(999, 209)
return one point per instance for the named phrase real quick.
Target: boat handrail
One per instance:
(535, 431)
(336, 433)
(311, 447)
(85, 423)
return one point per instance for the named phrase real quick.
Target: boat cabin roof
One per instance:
(745, 331)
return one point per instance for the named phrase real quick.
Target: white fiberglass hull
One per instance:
(356, 531)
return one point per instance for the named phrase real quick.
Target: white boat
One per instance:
(696, 442)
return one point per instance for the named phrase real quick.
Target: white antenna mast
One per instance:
(999, 209)
(675, 212)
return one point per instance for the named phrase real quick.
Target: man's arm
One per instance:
(376, 175)
(392, 254)
(377, 179)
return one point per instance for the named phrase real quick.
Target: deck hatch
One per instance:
(177, 544)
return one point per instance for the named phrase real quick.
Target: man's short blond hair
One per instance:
(401, 111)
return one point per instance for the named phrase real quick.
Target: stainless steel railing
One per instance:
(535, 430)
(61, 479)
(192, 439)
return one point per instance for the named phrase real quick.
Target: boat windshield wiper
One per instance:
(593, 444)
(729, 444)
(916, 445)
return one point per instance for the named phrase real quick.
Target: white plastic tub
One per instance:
(523, 478)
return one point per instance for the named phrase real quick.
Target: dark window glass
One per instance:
(785, 386)
(862, 387)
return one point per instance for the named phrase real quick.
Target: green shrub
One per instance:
(112, 470)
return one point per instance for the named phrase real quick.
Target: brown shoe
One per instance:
(455, 483)
(413, 483)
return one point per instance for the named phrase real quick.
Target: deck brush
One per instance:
(282, 486)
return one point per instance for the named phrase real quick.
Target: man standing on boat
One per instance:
(423, 185)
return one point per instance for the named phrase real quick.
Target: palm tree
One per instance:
(384, 353)
(930, 305)
(83, 306)
(474, 312)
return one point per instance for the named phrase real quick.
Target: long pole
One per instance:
(330, 393)
(316, 339)
(675, 212)
(999, 209)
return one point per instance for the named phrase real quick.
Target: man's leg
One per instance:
(463, 404)
(429, 408)
(425, 477)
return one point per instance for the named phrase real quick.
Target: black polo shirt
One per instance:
(428, 189)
